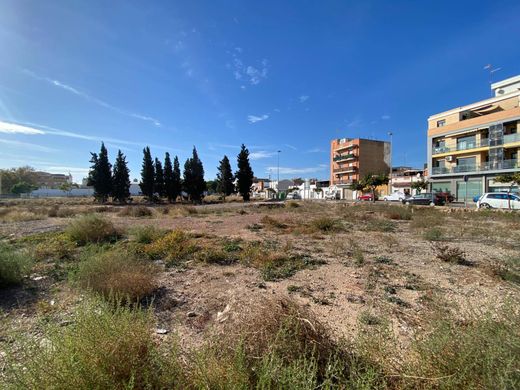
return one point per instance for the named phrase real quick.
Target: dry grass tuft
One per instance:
(136, 211)
(92, 229)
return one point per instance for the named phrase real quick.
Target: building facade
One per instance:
(351, 159)
(404, 177)
(469, 146)
(51, 180)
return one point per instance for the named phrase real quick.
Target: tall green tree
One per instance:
(121, 179)
(147, 175)
(371, 182)
(10, 177)
(100, 175)
(159, 178)
(245, 174)
(225, 178)
(168, 178)
(194, 183)
(177, 181)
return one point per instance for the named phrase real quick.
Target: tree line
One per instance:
(163, 180)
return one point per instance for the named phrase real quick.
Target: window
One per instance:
(467, 142)
(441, 123)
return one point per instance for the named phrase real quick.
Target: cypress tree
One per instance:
(100, 175)
(194, 183)
(168, 178)
(225, 184)
(147, 175)
(177, 182)
(121, 179)
(245, 174)
(159, 178)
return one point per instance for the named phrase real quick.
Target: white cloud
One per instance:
(291, 147)
(255, 74)
(354, 123)
(27, 145)
(261, 154)
(299, 171)
(93, 99)
(13, 128)
(385, 117)
(303, 98)
(254, 118)
(315, 150)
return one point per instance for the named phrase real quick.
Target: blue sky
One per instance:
(275, 75)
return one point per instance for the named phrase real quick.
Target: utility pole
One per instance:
(278, 167)
(390, 162)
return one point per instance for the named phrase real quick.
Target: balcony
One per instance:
(345, 157)
(462, 146)
(346, 147)
(346, 182)
(345, 170)
(511, 138)
(484, 167)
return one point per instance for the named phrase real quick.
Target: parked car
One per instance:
(366, 198)
(332, 196)
(447, 196)
(427, 198)
(396, 196)
(293, 196)
(498, 200)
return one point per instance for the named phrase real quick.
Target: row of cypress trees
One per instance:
(158, 181)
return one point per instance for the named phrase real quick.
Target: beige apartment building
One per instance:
(353, 158)
(469, 146)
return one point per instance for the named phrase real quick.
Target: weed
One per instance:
(57, 246)
(383, 260)
(117, 273)
(507, 270)
(174, 247)
(273, 223)
(136, 212)
(146, 234)
(433, 234)
(14, 266)
(398, 213)
(380, 225)
(452, 255)
(231, 245)
(398, 301)
(91, 229)
(326, 224)
(367, 318)
(106, 347)
(254, 227)
(294, 289)
(292, 205)
(216, 256)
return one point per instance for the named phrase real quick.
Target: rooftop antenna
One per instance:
(491, 70)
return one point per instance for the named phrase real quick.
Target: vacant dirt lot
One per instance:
(349, 264)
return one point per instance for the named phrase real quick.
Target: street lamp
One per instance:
(390, 162)
(278, 166)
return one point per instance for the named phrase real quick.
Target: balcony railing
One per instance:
(510, 138)
(462, 146)
(345, 157)
(484, 167)
(345, 170)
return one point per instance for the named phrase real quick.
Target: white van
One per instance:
(499, 200)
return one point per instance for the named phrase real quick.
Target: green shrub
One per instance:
(116, 273)
(106, 347)
(174, 247)
(451, 255)
(380, 225)
(91, 229)
(146, 234)
(14, 266)
(273, 223)
(326, 224)
(433, 234)
(57, 246)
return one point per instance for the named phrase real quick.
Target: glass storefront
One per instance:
(474, 188)
(441, 186)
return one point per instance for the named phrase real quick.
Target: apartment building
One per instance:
(353, 158)
(404, 177)
(469, 146)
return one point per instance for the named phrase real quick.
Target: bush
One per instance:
(116, 273)
(326, 224)
(106, 347)
(146, 234)
(481, 353)
(175, 247)
(451, 255)
(292, 205)
(91, 228)
(136, 211)
(433, 234)
(57, 246)
(273, 223)
(380, 225)
(398, 213)
(14, 266)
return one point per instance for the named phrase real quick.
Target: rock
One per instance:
(161, 331)
(261, 285)
(191, 314)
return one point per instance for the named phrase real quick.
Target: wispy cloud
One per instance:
(27, 145)
(385, 117)
(291, 147)
(13, 128)
(261, 154)
(37, 129)
(315, 150)
(354, 123)
(92, 99)
(254, 118)
(299, 171)
(303, 98)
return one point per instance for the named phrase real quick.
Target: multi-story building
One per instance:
(351, 159)
(51, 180)
(404, 177)
(469, 146)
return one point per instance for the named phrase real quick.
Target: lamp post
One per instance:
(278, 166)
(390, 162)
